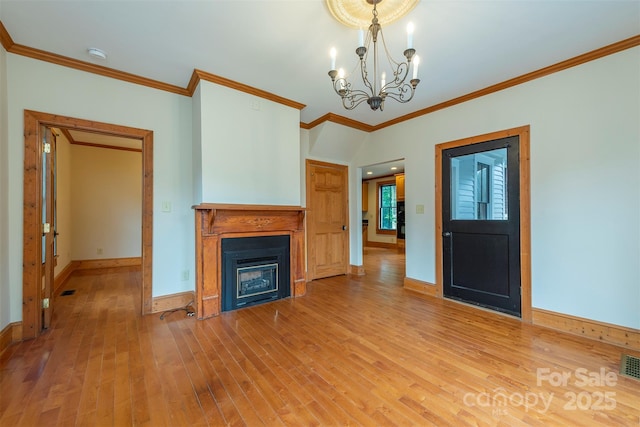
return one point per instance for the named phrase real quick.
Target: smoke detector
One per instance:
(96, 53)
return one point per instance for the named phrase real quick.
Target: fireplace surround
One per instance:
(217, 222)
(254, 270)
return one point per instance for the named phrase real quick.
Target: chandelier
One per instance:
(377, 89)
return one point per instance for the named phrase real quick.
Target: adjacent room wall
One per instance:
(106, 203)
(585, 182)
(63, 203)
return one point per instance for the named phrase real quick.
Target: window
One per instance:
(387, 214)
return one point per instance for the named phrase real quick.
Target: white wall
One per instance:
(5, 288)
(63, 203)
(106, 203)
(250, 148)
(45, 87)
(585, 182)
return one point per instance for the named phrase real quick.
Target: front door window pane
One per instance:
(479, 186)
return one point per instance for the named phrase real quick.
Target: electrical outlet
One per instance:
(185, 275)
(99, 251)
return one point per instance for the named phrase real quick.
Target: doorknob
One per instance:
(344, 227)
(446, 234)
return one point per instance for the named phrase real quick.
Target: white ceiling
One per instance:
(383, 169)
(102, 140)
(281, 46)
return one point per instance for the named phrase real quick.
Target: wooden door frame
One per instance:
(525, 210)
(32, 203)
(311, 242)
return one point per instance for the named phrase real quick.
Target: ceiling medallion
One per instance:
(357, 13)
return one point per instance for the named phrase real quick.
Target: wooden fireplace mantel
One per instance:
(215, 222)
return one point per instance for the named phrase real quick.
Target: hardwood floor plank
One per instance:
(355, 350)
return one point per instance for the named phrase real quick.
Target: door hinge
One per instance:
(46, 147)
(46, 227)
(45, 303)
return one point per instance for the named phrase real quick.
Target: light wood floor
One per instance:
(353, 351)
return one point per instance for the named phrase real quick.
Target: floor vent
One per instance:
(630, 366)
(68, 292)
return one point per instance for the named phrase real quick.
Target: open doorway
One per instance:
(36, 126)
(383, 220)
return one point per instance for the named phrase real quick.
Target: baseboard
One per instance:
(421, 287)
(173, 301)
(385, 245)
(108, 263)
(10, 334)
(62, 277)
(356, 270)
(593, 329)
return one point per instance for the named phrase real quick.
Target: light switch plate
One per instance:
(166, 207)
(419, 209)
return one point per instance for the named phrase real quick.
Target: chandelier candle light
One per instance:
(377, 91)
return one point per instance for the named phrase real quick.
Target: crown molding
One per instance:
(341, 120)
(5, 38)
(199, 75)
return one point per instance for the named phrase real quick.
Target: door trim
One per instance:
(525, 210)
(32, 251)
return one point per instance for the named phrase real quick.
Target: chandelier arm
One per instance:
(353, 99)
(404, 94)
(399, 77)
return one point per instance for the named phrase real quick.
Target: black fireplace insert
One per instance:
(254, 270)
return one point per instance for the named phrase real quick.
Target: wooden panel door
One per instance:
(327, 220)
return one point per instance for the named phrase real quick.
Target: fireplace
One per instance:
(226, 224)
(255, 270)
